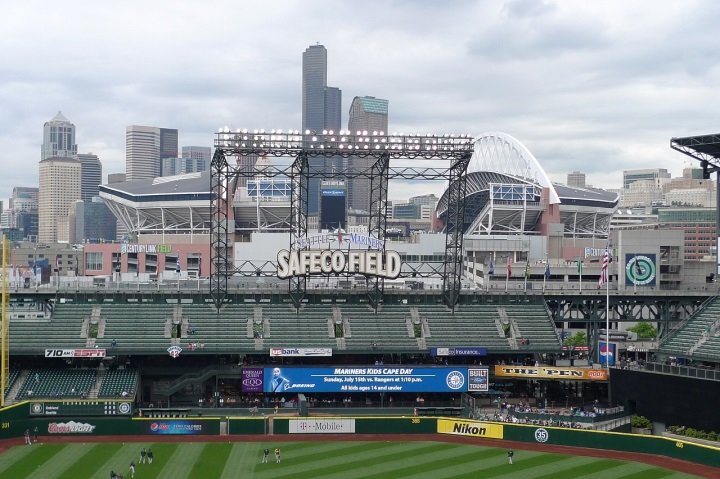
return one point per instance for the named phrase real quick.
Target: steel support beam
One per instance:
(377, 222)
(220, 243)
(453, 270)
(300, 179)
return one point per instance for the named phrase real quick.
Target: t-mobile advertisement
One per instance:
(176, 427)
(252, 380)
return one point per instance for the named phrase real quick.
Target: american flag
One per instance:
(604, 270)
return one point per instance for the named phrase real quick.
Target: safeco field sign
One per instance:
(470, 428)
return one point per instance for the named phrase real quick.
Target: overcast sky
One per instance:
(592, 86)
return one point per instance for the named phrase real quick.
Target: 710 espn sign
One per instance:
(75, 353)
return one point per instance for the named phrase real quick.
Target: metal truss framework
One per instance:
(591, 310)
(161, 220)
(381, 147)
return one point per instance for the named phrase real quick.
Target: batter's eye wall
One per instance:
(673, 400)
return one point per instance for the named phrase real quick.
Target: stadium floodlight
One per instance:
(278, 142)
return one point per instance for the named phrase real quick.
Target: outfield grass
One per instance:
(344, 459)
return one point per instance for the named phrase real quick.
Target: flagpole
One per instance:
(507, 274)
(547, 265)
(580, 267)
(607, 313)
(527, 267)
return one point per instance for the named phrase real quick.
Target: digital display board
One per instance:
(81, 408)
(377, 379)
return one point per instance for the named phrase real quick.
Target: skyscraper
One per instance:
(321, 110)
(59, 188)
(197, 158)
(145, 148)
(90, 176)
(576, 179)
(370, 114)
(58, 138)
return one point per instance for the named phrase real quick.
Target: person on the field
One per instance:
(149, 456)
(277, 455)
(27, 437)
(35, 433)
(510, 456)
(143, 453)
(132, 469)
(266, 453)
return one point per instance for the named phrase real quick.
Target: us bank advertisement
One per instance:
(376, 379)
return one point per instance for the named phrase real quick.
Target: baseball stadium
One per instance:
(254, 325)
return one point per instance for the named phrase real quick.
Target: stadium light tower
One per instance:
(375, 145)
(705, 149)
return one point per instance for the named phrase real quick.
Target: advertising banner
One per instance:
(366, 379)
(252, 380)
(550, 372)
(304, 352)
(477, 379)
(640, 269)
(459, 351)
(176, 427)
(70, 427)
(470, 428)
(607, 354)
(75, 353)
(321, 426)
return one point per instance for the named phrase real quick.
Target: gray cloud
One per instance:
(597, 87)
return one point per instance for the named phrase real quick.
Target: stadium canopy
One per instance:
(701, 147)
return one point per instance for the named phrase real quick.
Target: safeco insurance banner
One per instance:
(470, 428)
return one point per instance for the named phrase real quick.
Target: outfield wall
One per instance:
(15, 420)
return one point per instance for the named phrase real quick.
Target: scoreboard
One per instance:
(80, 408)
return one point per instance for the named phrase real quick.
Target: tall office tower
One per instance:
(116, 178)
(24, 206)
(321, 110)
(59, 188)
(91, 175)
(145, 148)
(58, 138)
(197, 158)
(91, 221)
(120, 231)
(369, 114)
(576, 179)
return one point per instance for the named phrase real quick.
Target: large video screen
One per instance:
(332, 210)
(373, 379)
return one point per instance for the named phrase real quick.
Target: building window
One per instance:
(93, 261)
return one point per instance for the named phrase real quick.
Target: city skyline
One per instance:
(592, 87)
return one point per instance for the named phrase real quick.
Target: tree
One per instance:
(577, 339)
(644, 330)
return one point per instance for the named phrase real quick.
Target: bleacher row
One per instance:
(79, 383)
(145, 328)
(689, 340)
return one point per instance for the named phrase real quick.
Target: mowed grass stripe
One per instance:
(120, 461)
(181, 462)
(517, 469)
(353, 458)
(339, 450)
(162, 452)
(582, 470)
(647, 474)
(90, 461)
(61, 462)
(39, 455)
(241, 461)
(212, 461)
(13, 455)
(431, 465)
(452, 458)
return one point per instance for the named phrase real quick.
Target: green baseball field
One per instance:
(317, 460)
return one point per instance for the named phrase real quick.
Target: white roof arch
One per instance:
(502, 153)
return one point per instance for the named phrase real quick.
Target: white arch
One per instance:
(502, 153)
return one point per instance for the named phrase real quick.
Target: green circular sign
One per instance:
(640, 270)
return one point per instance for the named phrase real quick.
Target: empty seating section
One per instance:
(535, 325)
(57, 383)
(681, 342)
(309, 328)
(14, 373)
(218, 333)
(63, 330)
(474, 325)
(136, 327)
(386, 330)
(119, 383)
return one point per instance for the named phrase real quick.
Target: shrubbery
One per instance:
(640, 422)
(690, 432)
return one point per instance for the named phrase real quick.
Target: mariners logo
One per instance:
(640, 270)
(174, 351)
(124, 408)
(455, 380)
